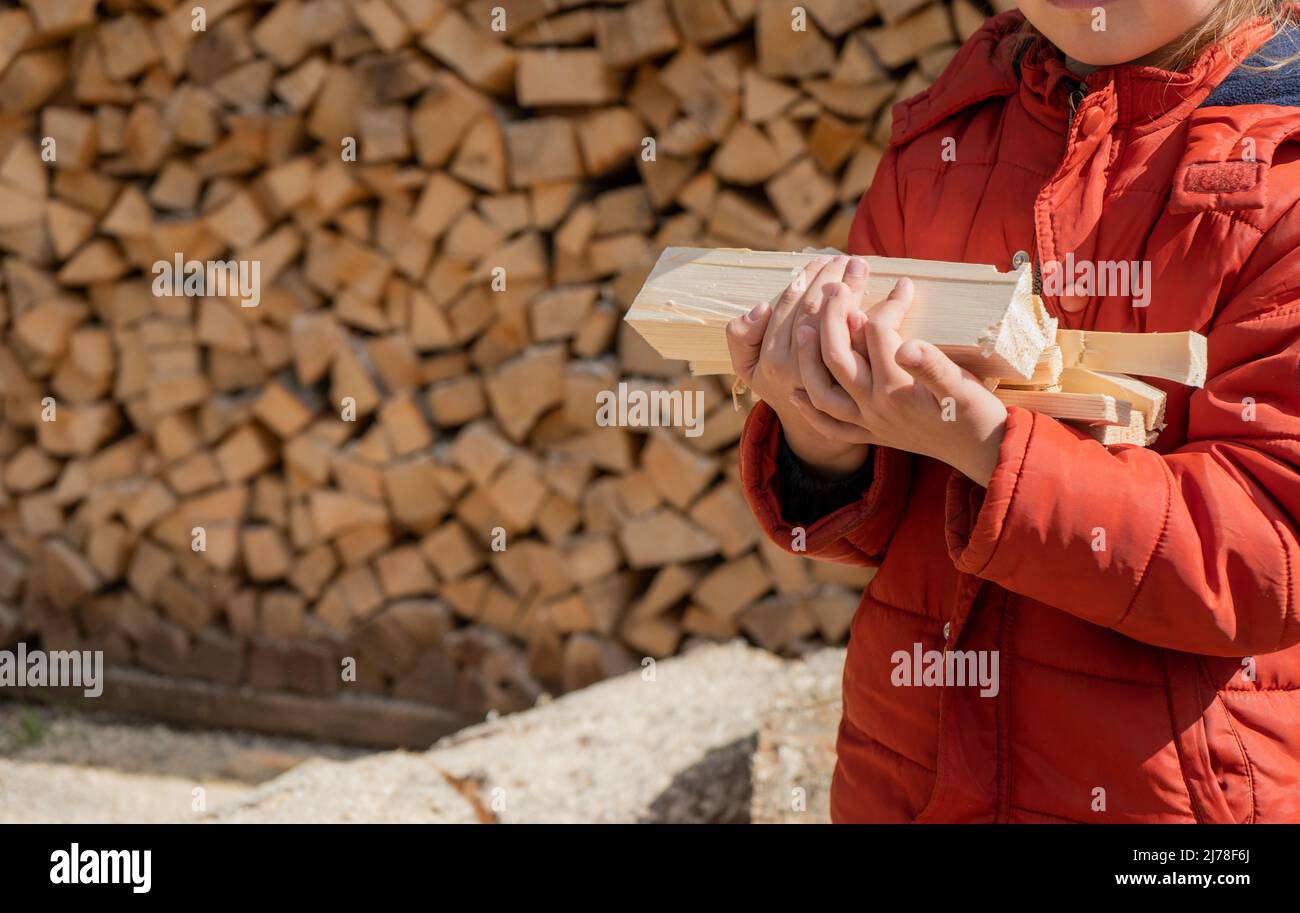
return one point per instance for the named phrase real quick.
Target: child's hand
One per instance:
(864, 384)
(762, 352)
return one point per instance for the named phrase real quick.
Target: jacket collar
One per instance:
(1147, 98)
(1248, 85)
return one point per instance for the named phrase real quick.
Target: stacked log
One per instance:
(377, 466)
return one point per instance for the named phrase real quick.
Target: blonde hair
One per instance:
(1228, 17)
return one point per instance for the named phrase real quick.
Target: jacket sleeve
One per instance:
(1195, 550)
(859, 532)
(856, 533)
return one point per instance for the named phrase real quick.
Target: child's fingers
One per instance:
(856, 274)
(779, 339)
(857, 336)
(934, 371)
(848, 367)
(883, 339)
(745, 340)
(828, 427)
(831, 274)
(821, 388)
(814, 302)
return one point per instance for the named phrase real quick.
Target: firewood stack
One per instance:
(393, 455)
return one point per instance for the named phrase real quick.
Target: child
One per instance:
(1141, 606)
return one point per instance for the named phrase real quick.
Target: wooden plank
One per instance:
(986, 321)
(1180, 357)
(1134, 432)
(1092, 408)
(1144, 397)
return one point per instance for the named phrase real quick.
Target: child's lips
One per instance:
(1079, 4)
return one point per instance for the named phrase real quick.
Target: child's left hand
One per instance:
(864, 384)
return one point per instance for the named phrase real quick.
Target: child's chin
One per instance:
(1098, 57)
(1094, 49)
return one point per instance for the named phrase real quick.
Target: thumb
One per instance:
(745, 340)
(931, 368)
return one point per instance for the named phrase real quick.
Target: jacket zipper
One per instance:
(1076, 98)
(1002, 809)
(1077, 95)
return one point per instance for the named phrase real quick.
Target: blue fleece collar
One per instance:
(1245, 86)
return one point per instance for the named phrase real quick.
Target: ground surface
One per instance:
(62, 766)
(723, 734)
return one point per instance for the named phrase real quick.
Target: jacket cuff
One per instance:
(761, 481)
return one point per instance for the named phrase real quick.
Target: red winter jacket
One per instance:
(1157, 680)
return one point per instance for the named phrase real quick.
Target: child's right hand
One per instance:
(764, 356)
